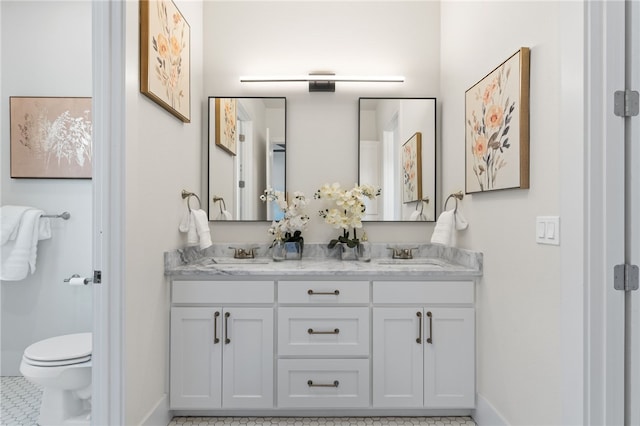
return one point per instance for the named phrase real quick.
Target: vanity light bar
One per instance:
(322, 82)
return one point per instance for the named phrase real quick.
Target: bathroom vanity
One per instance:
(300, 337)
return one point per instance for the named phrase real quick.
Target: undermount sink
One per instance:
(234, 261)
(414, 261)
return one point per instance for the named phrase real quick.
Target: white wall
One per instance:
(519, 301)
(371, 37)
(162, 158)
(46, 51)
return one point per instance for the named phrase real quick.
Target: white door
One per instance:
(449, 357)
(397, 357)
(196, 358)
(247, 374)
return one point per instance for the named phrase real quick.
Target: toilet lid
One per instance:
(76, 347)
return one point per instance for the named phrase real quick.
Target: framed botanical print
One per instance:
(412, 169)
(226, 122)
(497, 127)
(165, 49)
(51, 137)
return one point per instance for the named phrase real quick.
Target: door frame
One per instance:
(108, 239)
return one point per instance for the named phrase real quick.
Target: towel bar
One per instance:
(63, 215)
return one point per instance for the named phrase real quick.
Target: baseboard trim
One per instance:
(160, 415)
(486, 414)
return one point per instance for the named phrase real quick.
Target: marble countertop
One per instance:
(429, 261)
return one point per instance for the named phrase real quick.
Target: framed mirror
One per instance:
(397, 152)
(247, 154)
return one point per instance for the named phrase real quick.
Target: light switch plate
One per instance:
(548, 230)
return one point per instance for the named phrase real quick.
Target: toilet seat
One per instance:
(59, 351)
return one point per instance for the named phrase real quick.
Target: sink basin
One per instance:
(234, 261)
(414, 261)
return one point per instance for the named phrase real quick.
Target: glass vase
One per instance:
(287, 250)
(364, 251)
(348, 253)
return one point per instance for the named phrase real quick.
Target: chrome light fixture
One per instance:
(321, 81)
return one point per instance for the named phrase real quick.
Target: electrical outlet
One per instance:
(548, 230)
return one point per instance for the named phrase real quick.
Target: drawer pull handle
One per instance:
(323, 385)
(419, 339)
(315, 293)
(216, 339)
(430, 338)
(334, 331)
(226, 329)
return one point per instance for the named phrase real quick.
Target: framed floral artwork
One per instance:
(497, 127)
(50, 137)
(412, 169)
(165, 57)
(226, 118)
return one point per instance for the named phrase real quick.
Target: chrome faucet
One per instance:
(402, 253)
(242, 253)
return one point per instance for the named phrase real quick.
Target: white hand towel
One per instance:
(202, 228)
(417, 216)
(225, 215)
(444, 228)
(19, 257)
(461, 222)
(10, 217)
(188, 225)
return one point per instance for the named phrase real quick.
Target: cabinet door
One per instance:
(247, 374)
(449, 358)
(397, 357)
(196, 359)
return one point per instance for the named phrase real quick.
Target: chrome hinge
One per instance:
(625, 277)
(97, 277)
(626, 103)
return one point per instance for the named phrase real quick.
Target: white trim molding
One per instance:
(486, 414)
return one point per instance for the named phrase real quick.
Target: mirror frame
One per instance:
(432, 202)
(211, 144)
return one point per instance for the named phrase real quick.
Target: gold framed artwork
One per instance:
(165, 42)
(497, 127)
(412, 169)
(50, 137)
(226, 117)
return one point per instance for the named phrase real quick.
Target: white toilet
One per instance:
(62, 367)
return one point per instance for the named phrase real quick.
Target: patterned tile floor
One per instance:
(322, 421)
(19, 402)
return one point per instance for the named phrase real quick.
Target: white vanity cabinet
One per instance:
(221, 356)
(423, 354)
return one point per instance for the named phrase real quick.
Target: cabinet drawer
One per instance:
(323, 331)
(330, 383)
(219, 292)
(423, 292)
(323, 292)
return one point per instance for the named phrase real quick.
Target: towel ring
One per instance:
(223, 206)
(457, 196)
(421, 203)
(186, 194)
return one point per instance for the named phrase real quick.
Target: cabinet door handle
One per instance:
(226, 328)
(430, 338)
(216, 339)
(323, 385)
(419, 339)
(332, 293)
(334, 331)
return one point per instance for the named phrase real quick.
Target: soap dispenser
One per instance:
(364, 249)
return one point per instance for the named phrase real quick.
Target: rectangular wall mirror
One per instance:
(397, 152)
(247, 154)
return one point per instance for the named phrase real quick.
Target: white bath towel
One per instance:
(19, 255)
(443, 230)
(188, 225)
(202, 228)
(10, 217)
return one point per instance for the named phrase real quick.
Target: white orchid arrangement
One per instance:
(347, 209)
(295, 220)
